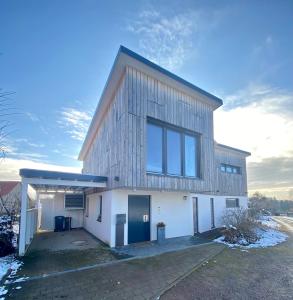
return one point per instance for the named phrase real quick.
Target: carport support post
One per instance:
(22, 232)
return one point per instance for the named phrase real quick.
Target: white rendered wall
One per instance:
(204, 209)
(52, 204)
(102, 230)
(167, 207)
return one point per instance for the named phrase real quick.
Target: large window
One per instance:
(154, 148)
(190, 156)
(172, 150)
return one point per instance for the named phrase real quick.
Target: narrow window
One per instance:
(87, 206)
(99, 208)
(173, 152)
(212, 213)
(154, 148)
(190, 156)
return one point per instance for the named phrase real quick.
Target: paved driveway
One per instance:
(133, 279)
(235, 274)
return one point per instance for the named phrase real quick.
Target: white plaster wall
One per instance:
(204, 209)
(167, 207)
(102, 230)
(52, 204)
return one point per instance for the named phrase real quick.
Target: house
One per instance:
(9, 197)
(149, 156)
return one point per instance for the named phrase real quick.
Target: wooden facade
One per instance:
(118, 150)
(230, 184)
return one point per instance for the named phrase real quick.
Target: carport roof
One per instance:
(52, 180)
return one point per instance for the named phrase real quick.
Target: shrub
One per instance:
(6, 246)
(239, 227)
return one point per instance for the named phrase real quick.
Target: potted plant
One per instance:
(161, 232)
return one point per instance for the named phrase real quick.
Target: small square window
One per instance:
(228, 169)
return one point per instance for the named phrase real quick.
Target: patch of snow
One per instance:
(268, 237)
(269, 222)
(21, 279)
(8, 263)
(18, 288)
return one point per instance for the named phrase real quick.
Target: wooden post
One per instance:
(22, 230)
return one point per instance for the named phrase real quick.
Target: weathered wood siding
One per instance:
(147, 97)
(107, 155)
(231, 184)
(119, 148)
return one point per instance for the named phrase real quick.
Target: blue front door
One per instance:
(138, 218)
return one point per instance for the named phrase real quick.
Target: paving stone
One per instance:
(136, 279)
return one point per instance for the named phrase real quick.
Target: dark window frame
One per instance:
(99, 218)
(237, 204)
(71, 207)
(223, 169)
(212, 205)
(183, 132)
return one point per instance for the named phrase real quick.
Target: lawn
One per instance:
(236, 273)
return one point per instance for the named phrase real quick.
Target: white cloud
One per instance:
(75, 122)
(163, 39)
(9, 168)
(259, 119)
(262, 125)
(32, 117)
(29, 143)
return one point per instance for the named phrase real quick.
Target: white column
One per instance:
(22, 230)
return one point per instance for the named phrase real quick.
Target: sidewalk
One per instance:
(133, 279)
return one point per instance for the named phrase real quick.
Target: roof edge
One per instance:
(246, 153)
(46, 174)
(144, 60)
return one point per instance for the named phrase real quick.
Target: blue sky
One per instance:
(56, 56)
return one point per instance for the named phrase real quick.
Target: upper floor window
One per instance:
(172, 150)
(230, 169)
(154, 148)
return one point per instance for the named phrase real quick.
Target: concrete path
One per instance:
(153, 248)
(133, 279)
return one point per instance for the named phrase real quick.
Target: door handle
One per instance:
(145, 218)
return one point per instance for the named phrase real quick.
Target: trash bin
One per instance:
(59, 223)
(67, 223)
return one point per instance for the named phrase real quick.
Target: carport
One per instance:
(42, 181)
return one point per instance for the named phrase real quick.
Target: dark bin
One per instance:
(68, 223)
(59, 223)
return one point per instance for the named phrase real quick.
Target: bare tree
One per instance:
(6, 110)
